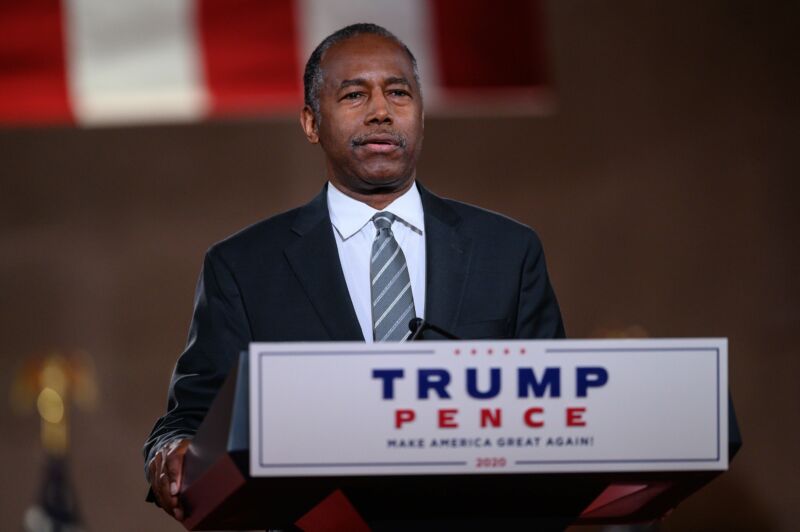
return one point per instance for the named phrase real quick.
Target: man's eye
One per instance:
(352, 96)
(399, 92)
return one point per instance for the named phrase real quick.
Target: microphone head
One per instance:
(415, 324)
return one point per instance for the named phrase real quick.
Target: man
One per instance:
(372, 251)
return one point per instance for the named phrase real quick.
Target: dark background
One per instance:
(663, 187)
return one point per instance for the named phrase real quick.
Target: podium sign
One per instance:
(471, 407)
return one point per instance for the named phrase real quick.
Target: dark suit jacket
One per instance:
(280, 280)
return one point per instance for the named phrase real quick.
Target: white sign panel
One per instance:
(488, 407)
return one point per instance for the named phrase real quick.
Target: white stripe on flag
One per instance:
(410, 20)
(134, 61)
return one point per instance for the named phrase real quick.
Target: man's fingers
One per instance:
(164, 473)
(163, 480)
(155, 471)
(159, 481)
(174, 468)
(169, 503)
(174, 465)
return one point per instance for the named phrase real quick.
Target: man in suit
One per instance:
(369, 253)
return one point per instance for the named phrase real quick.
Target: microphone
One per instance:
(417, 326)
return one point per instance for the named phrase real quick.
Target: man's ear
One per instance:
(308, 121)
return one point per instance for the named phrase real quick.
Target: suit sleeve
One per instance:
(219, 331)
(538, 315)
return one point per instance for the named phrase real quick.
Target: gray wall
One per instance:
(662, 188)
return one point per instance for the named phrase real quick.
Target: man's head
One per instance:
(363, 105)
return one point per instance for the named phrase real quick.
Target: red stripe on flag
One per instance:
(33, 80)
(250, 50)
(489, 45)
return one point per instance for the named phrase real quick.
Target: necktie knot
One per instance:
(383, 220)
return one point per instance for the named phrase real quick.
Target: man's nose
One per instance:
(380, 111)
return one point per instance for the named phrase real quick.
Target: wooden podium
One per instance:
(219, 493)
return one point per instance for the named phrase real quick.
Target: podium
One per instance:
(219, 491)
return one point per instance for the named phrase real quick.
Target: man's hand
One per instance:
(165, 472)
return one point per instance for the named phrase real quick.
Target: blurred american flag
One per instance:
(93, 62)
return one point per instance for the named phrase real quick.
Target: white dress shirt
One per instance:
(354, 232)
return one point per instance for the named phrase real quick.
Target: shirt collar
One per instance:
(349, 215)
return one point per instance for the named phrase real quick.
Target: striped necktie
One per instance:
(392, 299)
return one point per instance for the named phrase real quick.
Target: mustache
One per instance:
(380, 136)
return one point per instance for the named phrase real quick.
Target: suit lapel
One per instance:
(448, 254)
(315, 260)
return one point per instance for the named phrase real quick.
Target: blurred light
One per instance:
(50, 405)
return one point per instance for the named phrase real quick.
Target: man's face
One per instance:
(371, 120)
